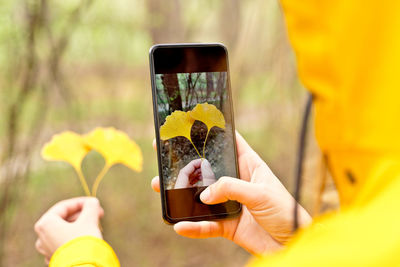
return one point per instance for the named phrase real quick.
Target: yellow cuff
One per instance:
(84, 251)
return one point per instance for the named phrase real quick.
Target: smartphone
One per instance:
(194, 127)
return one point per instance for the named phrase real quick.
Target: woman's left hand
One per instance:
(65, 221)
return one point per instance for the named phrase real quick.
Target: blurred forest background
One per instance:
(78, 64)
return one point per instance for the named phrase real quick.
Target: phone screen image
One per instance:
(195, 134)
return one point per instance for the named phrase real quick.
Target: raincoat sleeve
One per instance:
(85, 251)
(366, 234)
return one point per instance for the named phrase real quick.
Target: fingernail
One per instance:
(205, 195)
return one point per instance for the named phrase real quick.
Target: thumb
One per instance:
(228, 188)
(207, 173)
(91, 211)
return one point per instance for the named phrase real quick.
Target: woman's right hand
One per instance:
(266, 221)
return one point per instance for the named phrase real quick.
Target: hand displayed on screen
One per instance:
(266, 221)
(196, 173)
(207, 173)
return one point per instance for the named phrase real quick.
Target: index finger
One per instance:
(242, 146)
(68, 207)
(155, 184)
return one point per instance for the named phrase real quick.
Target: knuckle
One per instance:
(61, 202)
(41, 224)
(38, 244)
(38, 227)
(94, 201)
(220, 188)
(224, 183)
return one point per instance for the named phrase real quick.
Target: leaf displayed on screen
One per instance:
(179, 123)
(209, 115)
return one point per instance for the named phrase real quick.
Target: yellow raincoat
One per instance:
(348, 55)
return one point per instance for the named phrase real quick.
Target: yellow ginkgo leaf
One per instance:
(179, 123)
(67, 146)
(209, 115)
(116, 147)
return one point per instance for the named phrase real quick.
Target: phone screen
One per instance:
(194, 126)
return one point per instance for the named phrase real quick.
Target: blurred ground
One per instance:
(75, 65)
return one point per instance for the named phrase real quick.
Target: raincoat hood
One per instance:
(348, 55)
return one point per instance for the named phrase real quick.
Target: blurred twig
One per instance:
(33, 76)
(12, 175)
(60, 44)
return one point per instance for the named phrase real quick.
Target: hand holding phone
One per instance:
(266, 221)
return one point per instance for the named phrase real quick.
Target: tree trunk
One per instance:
(171, 85)
(210, 85)
(221, 89)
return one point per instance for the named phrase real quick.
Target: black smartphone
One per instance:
(194, 127)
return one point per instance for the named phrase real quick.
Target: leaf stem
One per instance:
(204, 145)
(83, 181)
(195, 148)
(99, 177)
